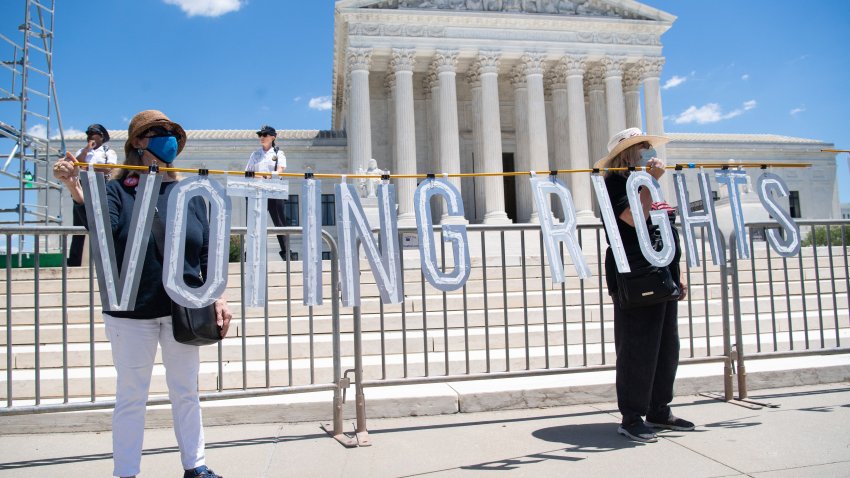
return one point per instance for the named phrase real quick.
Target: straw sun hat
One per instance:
(622, 140)
(148, 118)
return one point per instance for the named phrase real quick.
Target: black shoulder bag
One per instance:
(645, 285)
(190, 326)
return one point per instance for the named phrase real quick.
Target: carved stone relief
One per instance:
(546, 7)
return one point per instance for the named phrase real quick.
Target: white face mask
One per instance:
(646, 155)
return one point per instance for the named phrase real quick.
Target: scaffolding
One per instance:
(28, 109)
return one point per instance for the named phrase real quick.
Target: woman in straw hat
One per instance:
(646, 338)
(152, 138)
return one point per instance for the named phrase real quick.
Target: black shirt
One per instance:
(616, 185)
(152, 301)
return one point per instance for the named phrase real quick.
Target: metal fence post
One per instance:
(727, 338)
(736, 304)
(340, 383)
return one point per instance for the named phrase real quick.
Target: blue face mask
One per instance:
(163, 147)
(646, 155)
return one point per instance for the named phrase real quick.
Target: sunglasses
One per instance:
(157, 131)
(263, 135)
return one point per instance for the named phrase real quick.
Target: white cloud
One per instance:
(40, 131)
(207, 8)
(796, 111)
(296, 99)
(745, 76)
(711, 113)
(37, 130)
(321, 103)
(674, 82)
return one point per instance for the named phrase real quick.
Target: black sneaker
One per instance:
(672, 423)
(200, 472)
(637, 431)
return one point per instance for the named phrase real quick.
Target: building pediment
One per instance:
(622, 9)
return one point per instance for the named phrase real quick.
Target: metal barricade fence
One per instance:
(57, 357)
(509, 320)
(785, 307)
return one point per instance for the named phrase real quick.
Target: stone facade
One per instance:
(433, 86)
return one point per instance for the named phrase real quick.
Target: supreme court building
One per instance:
(463, 86)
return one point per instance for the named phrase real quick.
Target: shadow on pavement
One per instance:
(154, 451)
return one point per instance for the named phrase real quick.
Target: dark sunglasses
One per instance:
(263, 135)
(157, 131)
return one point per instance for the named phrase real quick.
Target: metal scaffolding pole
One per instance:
(29, 96)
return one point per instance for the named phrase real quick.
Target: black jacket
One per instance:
(152, 301)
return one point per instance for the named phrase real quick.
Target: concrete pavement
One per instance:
(807, 435)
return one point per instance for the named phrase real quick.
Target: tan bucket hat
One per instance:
(148, 118)
(622, 140)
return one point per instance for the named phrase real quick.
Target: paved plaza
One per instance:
(806, 434)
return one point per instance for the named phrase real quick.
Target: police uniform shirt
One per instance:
(100, 155)
(264, 161)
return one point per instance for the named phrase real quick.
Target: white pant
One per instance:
(133, 352)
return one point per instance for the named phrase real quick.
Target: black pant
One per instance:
(647, 342)
(78, 243)
(276, 210)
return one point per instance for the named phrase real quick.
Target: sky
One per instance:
(732, 66)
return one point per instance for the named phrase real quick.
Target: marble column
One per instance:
(598, 123)
(432, 97)
(538, 146)
(560, 110)
(487, 64)
(390, 163)
(651, 75)
(401, 65)
(431, 87)
(631, 91)
(360, 122)
(574, 68)
(557, 83)
(522, 162)
(473, 77)
(615, 102)
(445, 62)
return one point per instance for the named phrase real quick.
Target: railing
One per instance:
(802, 308)
(86, 337)
(522, 329)
(509, 320)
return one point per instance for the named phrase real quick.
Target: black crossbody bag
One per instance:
(191, 326)
(645, 285)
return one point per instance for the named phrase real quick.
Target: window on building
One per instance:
(291, 209)
(794, 203)
(326, 255)
(328, 210)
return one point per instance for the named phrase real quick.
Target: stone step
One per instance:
(52, 333)
(395, 340)
(77, 278)
(319, 370)
(474, 301)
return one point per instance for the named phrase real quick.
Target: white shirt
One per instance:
(101, 155)
(263, 161)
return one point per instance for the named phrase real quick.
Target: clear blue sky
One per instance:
(755, 66)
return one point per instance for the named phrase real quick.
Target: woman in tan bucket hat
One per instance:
(646, 338)
(134, 335)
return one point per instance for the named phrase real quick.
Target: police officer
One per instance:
(96, 151)
(269, 158)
